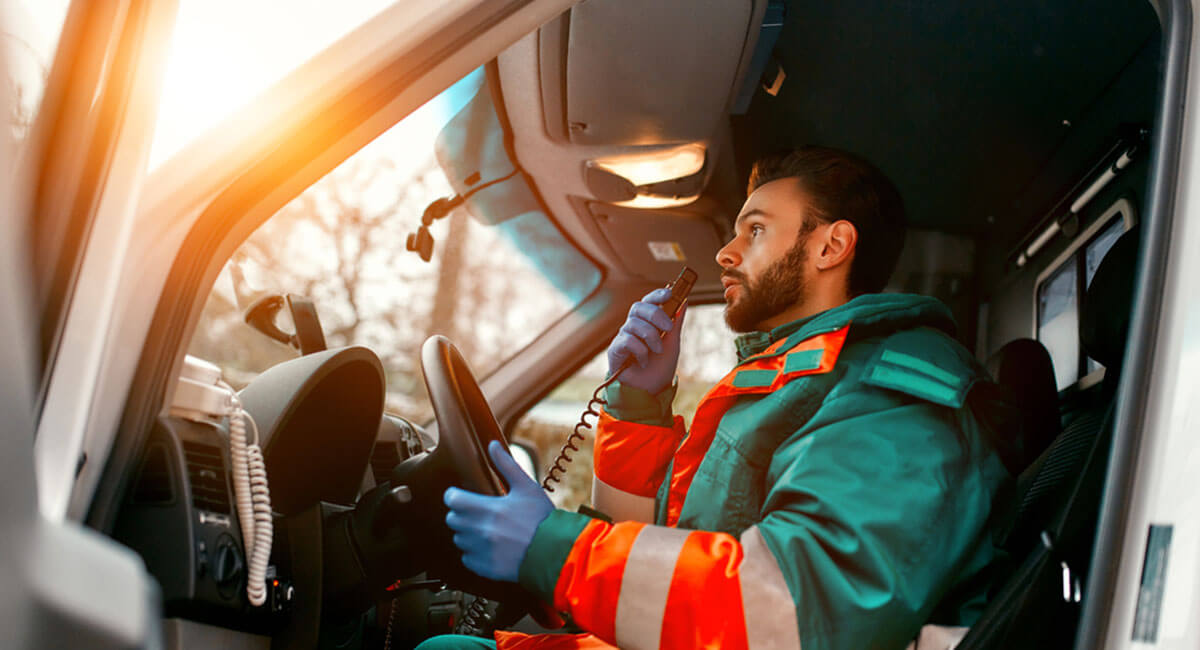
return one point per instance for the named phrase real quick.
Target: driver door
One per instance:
(64, 585)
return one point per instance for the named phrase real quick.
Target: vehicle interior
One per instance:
(554, 184)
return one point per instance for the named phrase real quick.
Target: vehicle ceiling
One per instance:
(984, 113)
(963, 104)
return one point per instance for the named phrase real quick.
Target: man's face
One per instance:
(764, 264)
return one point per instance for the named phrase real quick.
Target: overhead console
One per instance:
(619, 113)
(600, 88)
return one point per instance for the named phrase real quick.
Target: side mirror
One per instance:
(309, 336)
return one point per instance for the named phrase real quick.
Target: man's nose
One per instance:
(729, 256)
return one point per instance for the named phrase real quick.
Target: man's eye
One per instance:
(755, 230)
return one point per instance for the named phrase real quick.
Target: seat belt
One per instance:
(1071, 536)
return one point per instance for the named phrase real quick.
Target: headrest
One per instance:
(1104, 324)
(1024, 368)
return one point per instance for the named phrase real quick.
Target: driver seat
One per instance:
(1040, 602)
(1024, 368)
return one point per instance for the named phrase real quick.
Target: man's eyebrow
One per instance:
(749, 213)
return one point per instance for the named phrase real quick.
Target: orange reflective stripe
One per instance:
(589, 585)
(774, 347)
(633, 457)
(641, 586)
(712, 408)
(760, 363)
(830, 343)
(520, 641)
(692, 451)
(704, 606)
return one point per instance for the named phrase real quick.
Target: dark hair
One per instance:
(844, 186)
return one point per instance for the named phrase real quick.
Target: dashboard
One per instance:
(326, 441)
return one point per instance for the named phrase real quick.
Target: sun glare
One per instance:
(225, 52)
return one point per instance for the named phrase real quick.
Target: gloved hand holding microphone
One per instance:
(651, 339)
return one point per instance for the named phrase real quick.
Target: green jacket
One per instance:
(835, 491)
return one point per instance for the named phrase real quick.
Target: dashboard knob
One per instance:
(227, 564)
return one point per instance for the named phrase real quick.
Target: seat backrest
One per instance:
(1107, 308)
(1024, 368)
(1064, 485)
(1103, 328)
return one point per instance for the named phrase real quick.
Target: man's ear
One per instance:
(841, 240)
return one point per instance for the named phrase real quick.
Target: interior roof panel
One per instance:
(961, 104)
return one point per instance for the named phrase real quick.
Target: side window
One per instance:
(342, 243)
(1058, 322)
(705, 355)
(1060, 286)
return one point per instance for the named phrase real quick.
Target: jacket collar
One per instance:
(752, 343)
(872, 314)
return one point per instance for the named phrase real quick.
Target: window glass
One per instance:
(1100, 244)
(706, 354)
(224, 52)
(1094, 252)
(1058, 322)
(342, 244)
(31, 32)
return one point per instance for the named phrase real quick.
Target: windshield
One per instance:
(497, 278)
(224, 52)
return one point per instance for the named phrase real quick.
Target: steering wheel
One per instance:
(466, 425)
(465, 422)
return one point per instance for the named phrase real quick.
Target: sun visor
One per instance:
(470, 150)
(654, 244)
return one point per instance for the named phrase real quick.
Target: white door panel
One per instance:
(63, 586)
(73, 381)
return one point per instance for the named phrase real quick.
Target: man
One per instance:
(835, 488)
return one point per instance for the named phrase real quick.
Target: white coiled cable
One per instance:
(253, 498)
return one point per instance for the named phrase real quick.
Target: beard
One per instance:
(779, 287)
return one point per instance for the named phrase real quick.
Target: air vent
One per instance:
(154, 485)
(384, 457)
(206, 472)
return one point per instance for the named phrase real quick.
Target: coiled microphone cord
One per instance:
(680, 287)
(559, 467)
(253, 498)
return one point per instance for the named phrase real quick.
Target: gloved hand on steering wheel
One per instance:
(494, 532)
(655, 355)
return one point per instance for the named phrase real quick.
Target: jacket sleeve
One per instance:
(875, 506)
(636, 436)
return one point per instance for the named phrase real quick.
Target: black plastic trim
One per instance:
(1134, 388)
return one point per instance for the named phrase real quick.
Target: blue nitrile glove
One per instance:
(494, 532)
(655, 358)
